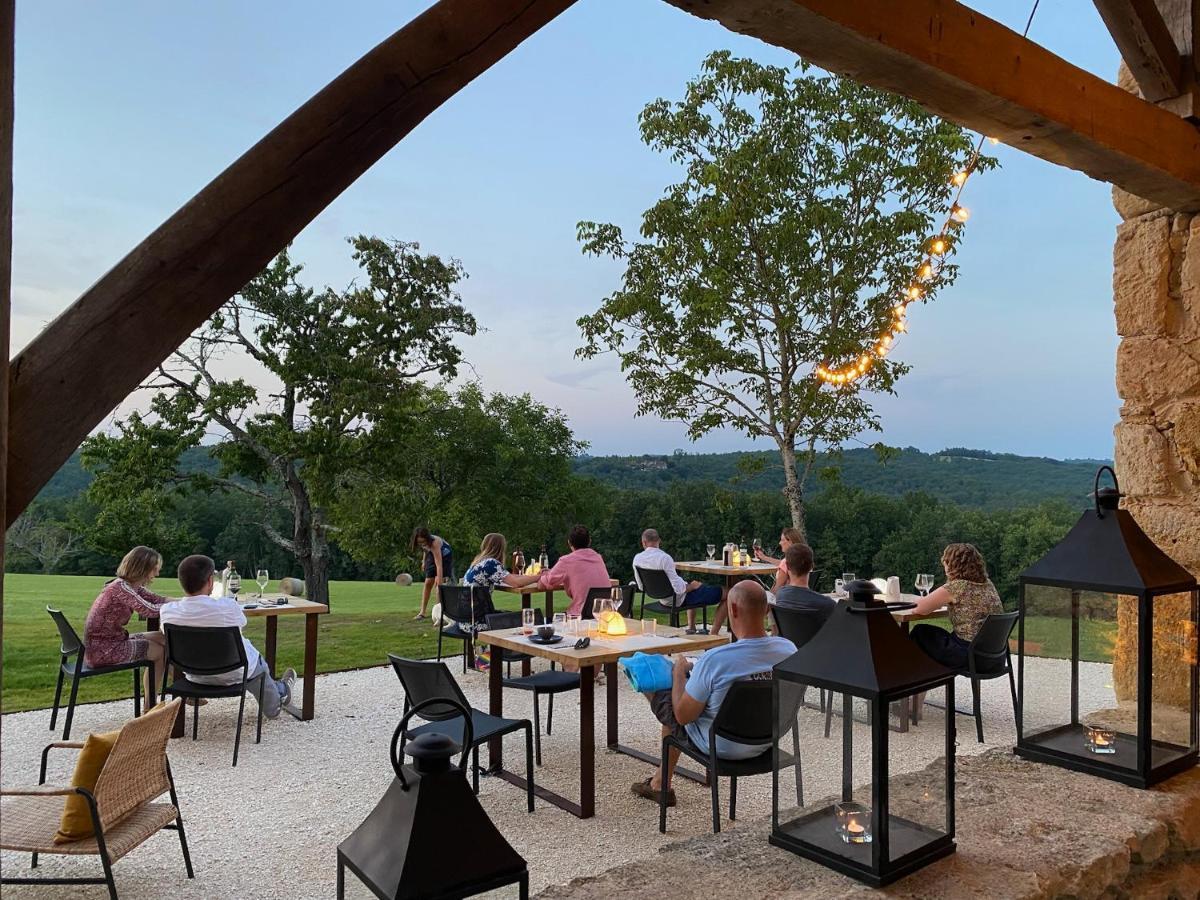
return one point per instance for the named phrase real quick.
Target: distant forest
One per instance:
(971, 478)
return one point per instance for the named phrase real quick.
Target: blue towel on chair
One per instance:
(647, 672)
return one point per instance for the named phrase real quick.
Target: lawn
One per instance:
(369, 620)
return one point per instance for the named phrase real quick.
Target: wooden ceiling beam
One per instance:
(974, 71)
(1141, 34)
(101, 348)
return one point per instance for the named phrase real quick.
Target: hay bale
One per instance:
(404, 579)
(292, 587)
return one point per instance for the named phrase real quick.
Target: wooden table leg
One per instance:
(587, 742)
(271, 640)
(310, 665)
(908, 706)
(549, 606)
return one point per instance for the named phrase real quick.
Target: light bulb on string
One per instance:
(925, 272)
(938, 246)
(960, 213)
(959, 178)
(914, 292)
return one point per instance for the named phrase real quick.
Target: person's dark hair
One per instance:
(579, 537)
(799, 558)
(194, 572)
(421, 537)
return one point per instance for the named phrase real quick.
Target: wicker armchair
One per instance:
(122, 806)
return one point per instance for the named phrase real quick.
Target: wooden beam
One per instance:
(973, 70)
(101, 348)
(7, 27)
(1146, 45)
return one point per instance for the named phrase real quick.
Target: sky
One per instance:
(126, 109)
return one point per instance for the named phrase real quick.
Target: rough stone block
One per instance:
(1141, 278)
(1173, 526)
(1131, 206)
(1144, 460)
(1189, 283)
(1187, 440)
(1154, 370)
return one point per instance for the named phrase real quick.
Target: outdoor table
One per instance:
(904, 617)
(529, 590)
(296, 606)
(603, 651)
(731, 574)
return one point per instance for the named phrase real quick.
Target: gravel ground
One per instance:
(270, 827)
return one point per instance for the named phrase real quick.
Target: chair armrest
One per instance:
(45, 790)
(66, 745)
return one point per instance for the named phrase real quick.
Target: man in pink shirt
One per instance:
(578, 572)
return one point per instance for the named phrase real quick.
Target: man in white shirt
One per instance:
(199, 609)
(688, 594)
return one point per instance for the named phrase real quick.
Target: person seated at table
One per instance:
(787, 537)
(690, 595)
(968, 596)
(200, 609)
(104, 634)
(795, 592)
(437, 561)
(487, 568)
(576, 572)
(690, 706)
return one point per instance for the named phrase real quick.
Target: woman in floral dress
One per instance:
(108, 643)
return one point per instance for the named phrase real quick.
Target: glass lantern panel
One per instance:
(1080, 671)
(1174, 643)
(837, 772)
(917, 784)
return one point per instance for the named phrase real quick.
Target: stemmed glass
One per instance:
(924, 583)
(757, 547)
(262, 576)
(712, 551)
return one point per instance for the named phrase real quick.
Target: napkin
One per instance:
(647, 672)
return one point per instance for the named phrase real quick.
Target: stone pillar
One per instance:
(1156, 289)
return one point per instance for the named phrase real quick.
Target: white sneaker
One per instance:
(288, 679)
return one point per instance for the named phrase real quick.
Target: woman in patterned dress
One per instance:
(108, 643)
(969, 597)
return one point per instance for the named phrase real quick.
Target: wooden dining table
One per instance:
(272, 611)
(603, 652)
(731, 574)
(526, 593)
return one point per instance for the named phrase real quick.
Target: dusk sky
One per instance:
(126, 109)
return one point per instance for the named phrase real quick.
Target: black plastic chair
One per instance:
(746, 716)
(465, 606)
(72, 646)
(657, 586)
(800, 626)
(424, 680)
(211, 651)
(988, 657)
(550, 682)
(605, 593)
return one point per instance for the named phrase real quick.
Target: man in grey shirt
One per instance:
(796, 594)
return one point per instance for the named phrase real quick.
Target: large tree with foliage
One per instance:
(327, 365)
(806, 203)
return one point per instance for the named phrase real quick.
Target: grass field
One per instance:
(368, 621)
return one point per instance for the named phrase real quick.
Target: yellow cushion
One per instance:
(77, 817)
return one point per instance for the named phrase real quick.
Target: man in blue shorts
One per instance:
(690, 595)
(690, 707)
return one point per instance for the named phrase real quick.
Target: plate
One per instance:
(553, 639)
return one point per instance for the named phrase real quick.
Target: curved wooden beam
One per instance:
(100, 349)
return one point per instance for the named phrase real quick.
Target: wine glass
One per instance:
(235, 584)
(924, 583)
(712, 551)
(262, 576)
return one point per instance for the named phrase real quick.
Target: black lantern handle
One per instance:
(468, 734)
(1096, 487)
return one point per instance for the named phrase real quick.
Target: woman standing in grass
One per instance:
(108, 643)
(438, 562)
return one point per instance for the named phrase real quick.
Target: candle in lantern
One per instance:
(613, 623)
(853, 822)
(1101, 740)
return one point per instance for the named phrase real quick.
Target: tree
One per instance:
(805, 207)
(337, 362)
(48, 541)
(465, 464)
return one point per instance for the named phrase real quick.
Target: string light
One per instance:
(926, 272)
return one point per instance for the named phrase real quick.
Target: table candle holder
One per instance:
(853, 822)
(1101, 740)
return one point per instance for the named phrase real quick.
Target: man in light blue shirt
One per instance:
(690, 706)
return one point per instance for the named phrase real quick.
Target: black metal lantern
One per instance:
(1124, 616)
(892, 825)
(429, 837)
